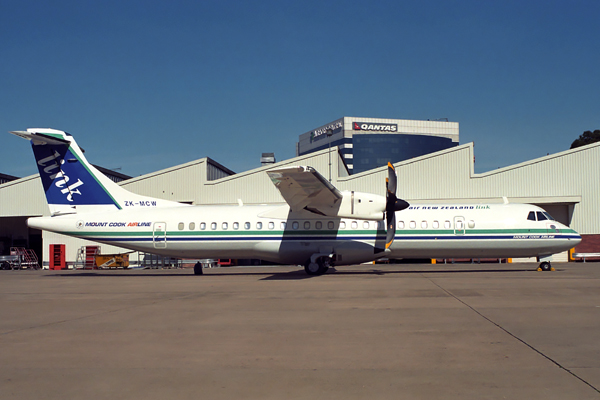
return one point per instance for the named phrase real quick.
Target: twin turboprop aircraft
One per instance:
(318, 227)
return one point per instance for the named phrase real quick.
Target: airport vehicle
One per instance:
(318, 226)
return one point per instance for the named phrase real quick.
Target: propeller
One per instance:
(392, 204)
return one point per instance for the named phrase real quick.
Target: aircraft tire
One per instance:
(198, 269)
(313, 268)
(545, 266)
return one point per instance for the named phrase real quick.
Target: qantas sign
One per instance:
(365, 126)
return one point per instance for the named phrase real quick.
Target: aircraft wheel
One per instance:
(545, 266)
(198, 269)
(312, 268)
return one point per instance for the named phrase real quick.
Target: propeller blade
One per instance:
(391, 180)
(391, 229)
(392, 205)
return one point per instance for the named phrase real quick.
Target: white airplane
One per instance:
(319, 226)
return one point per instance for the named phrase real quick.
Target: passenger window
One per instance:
(400, 224)
(413, 225)
(423, 224)
(366, 224)
(307, 225)
(225, 225)
(354, 225)
(295, 225)
(435, 225)
(202, 226)
(342, 224)
(192, 226)
(447, 225)
(319, 225)
(471, 224)
(236, 226)
(380, 225)
(247, 225)
(541, 216)
(283, 225)
(213, 226)
(531, 216)
(180, 226)
(259, 225)
(271, 225)
(329, 224)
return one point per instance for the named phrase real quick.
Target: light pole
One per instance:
(329, 133)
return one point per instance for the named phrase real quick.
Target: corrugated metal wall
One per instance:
(178, 183)
(23, 197)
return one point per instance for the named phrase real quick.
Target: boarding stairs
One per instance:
(26, 258)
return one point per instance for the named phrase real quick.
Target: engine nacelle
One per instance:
(362, 206)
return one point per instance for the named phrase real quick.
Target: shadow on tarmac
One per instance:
(298, 274)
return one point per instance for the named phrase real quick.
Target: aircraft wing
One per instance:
(305, 188)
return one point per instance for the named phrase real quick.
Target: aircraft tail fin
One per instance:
(71, 183)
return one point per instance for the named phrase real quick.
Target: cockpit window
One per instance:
(541, 216)
(531, 216)
(548, 216)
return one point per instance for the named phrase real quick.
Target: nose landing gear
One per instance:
(545, 266)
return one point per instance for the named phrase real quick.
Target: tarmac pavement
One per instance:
(419, 331)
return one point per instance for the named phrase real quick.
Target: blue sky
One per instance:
(145, 85)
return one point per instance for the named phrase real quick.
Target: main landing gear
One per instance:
(198, 269)
(318, 264)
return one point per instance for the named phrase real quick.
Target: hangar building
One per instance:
(367, 143)
(566, 184)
